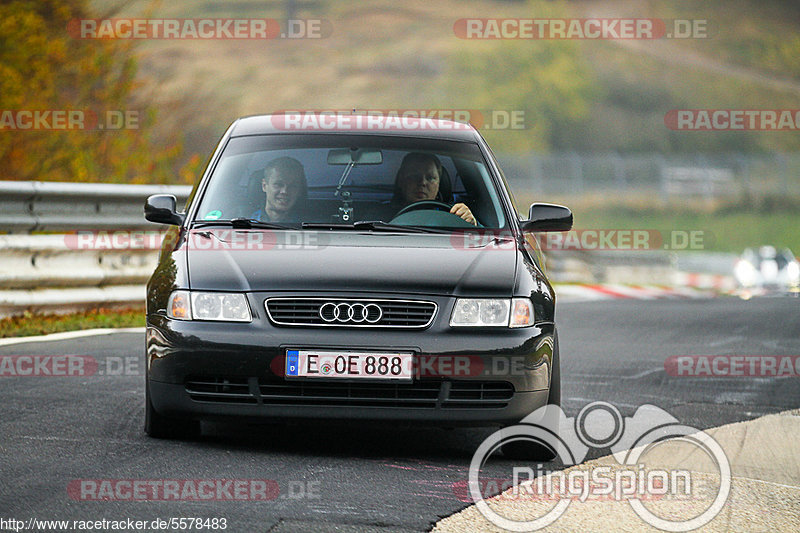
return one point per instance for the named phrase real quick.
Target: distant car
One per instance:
(768, 269)
(350, 308)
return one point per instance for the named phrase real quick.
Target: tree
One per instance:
(547, 80)
(44, 67)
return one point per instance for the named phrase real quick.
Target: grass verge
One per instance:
(30, 324)
(722, 232)
(725, 226)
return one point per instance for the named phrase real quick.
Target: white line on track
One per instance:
(68, 335)
(638, 375)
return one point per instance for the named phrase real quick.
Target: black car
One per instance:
(326, 274)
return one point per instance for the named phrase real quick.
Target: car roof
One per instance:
(313, 123)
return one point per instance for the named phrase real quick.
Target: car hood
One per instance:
(258, 260)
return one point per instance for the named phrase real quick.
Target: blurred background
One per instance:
(595, 135)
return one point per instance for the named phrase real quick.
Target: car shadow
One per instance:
(365, 440)
(350, 440)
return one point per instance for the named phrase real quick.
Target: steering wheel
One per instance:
(424, 204)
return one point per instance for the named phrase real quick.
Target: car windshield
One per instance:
(350, 180)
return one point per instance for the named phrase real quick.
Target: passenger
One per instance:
(286, 189)
(418, 179)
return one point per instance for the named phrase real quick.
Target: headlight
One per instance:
(492, 312)
(745, 273)
(208, 306)
(793, 273)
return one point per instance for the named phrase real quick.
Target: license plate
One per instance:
(349, 365)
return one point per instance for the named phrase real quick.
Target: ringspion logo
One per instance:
(600, 425)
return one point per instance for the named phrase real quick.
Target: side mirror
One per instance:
(160, 208)
(547, 217)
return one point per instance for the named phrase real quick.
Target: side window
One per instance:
(225, 196)
(459, 192)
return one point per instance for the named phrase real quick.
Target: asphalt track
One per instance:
(54, 430)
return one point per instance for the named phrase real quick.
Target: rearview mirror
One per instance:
(358, 156)
(547, 217)
(160, 208)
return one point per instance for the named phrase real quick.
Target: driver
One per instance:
(418, 179)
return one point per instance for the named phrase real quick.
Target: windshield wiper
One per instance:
(373, 225)
(381, 225)
(241, 223)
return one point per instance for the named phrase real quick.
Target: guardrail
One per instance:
(54, 273)
(48, 273)
(698, 270)
(664, 176)
(30, 206)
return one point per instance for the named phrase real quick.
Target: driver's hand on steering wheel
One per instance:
(463, 211)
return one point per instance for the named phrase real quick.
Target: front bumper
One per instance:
(213, 370)
(173, 400)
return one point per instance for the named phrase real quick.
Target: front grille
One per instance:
(236, 390)
(364, 312)
(477, 394)
(423, 394)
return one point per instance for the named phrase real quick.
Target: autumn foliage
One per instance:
(43, 68)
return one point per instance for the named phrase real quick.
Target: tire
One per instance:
(161, 427)
(534, 451)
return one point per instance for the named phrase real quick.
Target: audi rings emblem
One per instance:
(346, 313)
